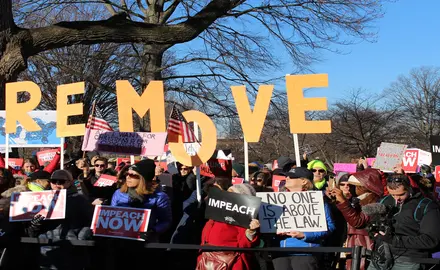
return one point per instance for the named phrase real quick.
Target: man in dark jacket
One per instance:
(97, 195)
(413, 231)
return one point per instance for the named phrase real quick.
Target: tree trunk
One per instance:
(152, 57)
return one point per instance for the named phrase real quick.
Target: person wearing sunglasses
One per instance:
(97, 195)
(139, 191)
(75, 225)
(319, 171)
(260, 180)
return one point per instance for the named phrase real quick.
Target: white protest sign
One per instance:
(389, 155)
(292, 211)
(50, 204)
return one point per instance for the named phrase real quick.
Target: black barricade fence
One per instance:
(356, 253)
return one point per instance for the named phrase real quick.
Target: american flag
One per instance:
(177, 125)
(96, 121)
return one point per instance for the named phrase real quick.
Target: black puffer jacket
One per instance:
(75, 226)
(414, 238)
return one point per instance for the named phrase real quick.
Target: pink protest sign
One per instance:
(120, 222)
(344, 167)
(50, 204)
(128, 143)
(370, 161)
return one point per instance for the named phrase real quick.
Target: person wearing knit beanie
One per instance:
(244, 189)
(319, 171)
(237, 170)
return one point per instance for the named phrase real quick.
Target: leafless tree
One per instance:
(416, 96)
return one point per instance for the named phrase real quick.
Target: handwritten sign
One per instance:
(389, 156)
(344, 167)
(50, 204)
(128, 143)
(120, 222)
(46, 156)
(105, 180)
(292, 211)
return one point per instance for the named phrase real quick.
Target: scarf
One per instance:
(320, 185)
(136, 200)
(32, 186)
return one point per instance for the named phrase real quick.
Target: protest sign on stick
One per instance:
(231, 208)
(216, 167)
(120, 222)
(50, 204)
(389, 155)
(292, 211)
(15, 163)
(276, 181)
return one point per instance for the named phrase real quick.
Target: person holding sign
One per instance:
(97, 195)
(75, 225)
(30, 165)
(139, 191)
(223, 234)
(300, 179)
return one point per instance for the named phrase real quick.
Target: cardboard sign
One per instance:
(216, 167)
(120, 222)
(46, 156)
(125, 160)
(424, 158)
(231, 208)
(292, 211)
(344, 167)
(128, 143)
(50, 204)
(435, 149)
(236, 181)
(106, 180)
(276, 181)
(410, 160)
(389, 156)
(15, 163)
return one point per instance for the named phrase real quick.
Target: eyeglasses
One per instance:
(344, 184)
(100, 165)
(133, 175)
(395, 179)
(58, 181)
(259, 180)
(320, 170)
(184, 169)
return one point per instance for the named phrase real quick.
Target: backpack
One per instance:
(421, 209)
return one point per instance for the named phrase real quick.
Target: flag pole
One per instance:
(246, 160)
(199, 181)
(296, 145)
(87, 129)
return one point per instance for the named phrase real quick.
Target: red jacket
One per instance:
(49, 168)
(221, 234)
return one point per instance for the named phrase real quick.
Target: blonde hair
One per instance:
(143, 188)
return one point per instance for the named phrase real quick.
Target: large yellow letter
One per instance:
(19, 111)
(151, 99)
(298, 105)
(208, 145)
(65, 110)
(252, 122)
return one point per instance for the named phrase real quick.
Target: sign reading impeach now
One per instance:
(152, 100)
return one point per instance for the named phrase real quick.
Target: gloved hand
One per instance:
(148, 236)
(35, 225)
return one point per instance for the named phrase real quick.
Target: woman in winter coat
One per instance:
(222, 234)
(30, 165)
(138, 191)
(368, 189)
(300, 179)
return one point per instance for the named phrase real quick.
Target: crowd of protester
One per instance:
(407, 231)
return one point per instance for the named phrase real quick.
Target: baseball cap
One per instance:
(299, 172)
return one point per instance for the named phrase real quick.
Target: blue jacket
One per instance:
(158, 202)
(312, 239)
